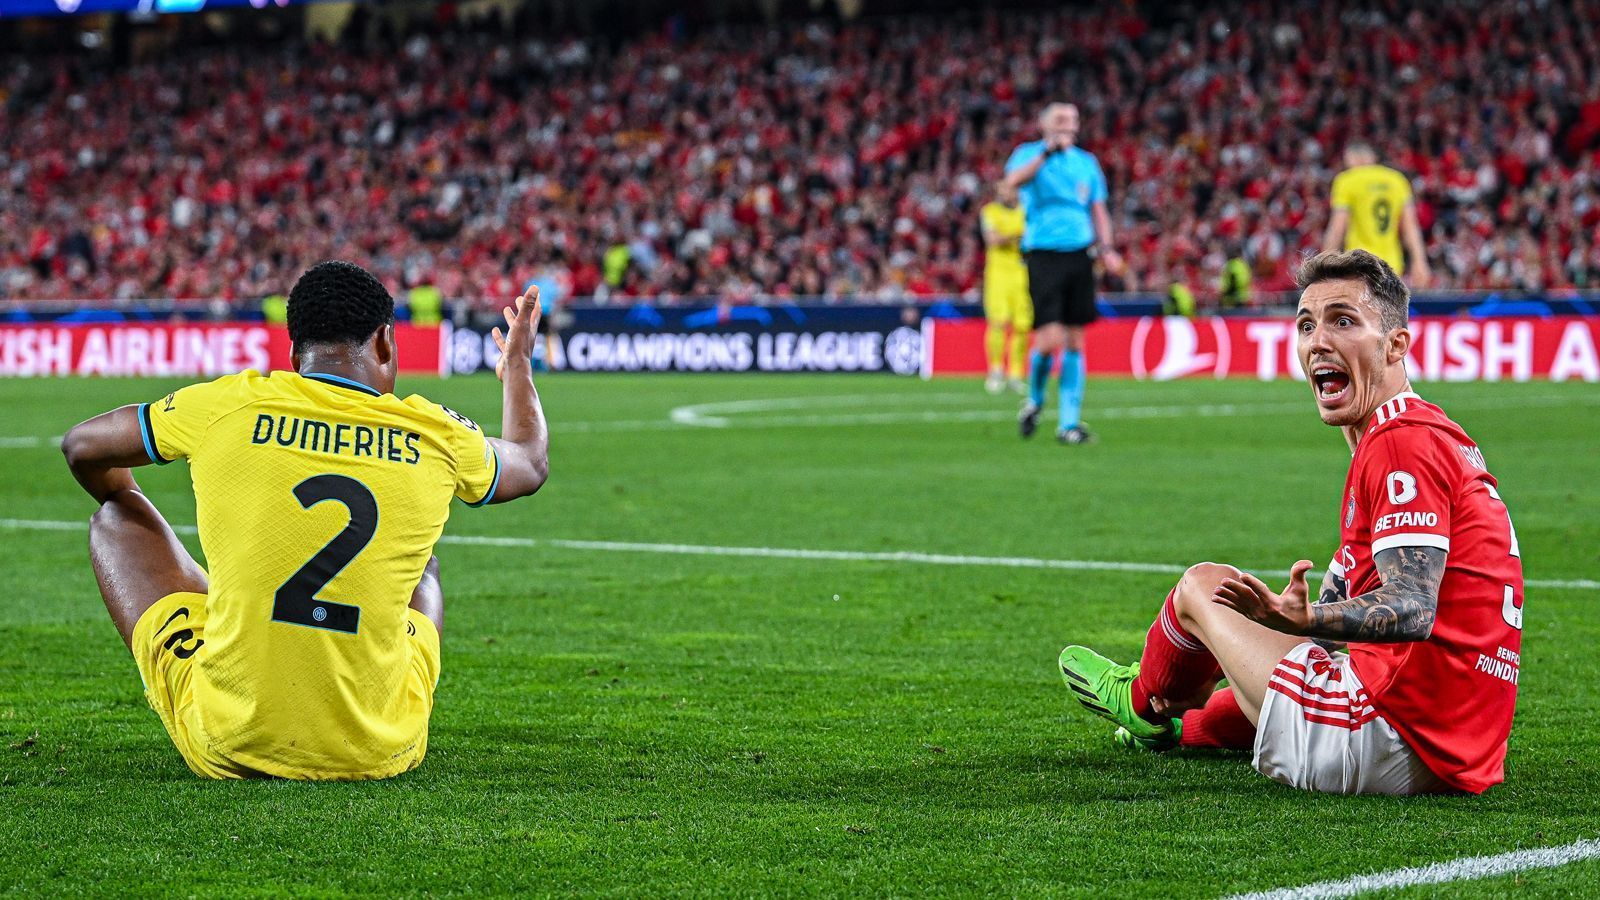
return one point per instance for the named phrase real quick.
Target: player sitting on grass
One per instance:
(1426, 591)
(311, 647)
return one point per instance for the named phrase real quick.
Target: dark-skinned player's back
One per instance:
(309, 646)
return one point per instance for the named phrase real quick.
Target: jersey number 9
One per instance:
(1384, 213)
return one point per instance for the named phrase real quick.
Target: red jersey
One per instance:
(1417, 480)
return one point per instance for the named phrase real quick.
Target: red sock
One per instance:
(1220, 723)
(1174, 665)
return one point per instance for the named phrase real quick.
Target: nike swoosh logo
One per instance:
(182, 611)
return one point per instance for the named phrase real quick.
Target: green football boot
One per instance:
(1127, 741)
(1106, 689)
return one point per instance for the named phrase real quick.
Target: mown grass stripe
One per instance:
(895, 556)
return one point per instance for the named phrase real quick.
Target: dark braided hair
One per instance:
(336, 302)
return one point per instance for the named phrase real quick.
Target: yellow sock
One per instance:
(995, 340)
(1019, 354)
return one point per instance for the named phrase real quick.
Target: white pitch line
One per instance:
(1466, 869)
(734, 413)
(697, 417)
(895, 556)
(903, 556)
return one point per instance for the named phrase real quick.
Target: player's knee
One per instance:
(109, 517)
(1201, 580)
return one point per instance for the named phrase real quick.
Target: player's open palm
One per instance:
(1288, 612)
(521, 323)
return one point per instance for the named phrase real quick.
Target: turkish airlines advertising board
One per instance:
(1559, 348)
(184, 350)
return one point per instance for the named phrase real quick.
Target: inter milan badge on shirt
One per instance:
(1350, 510)
(459, 417)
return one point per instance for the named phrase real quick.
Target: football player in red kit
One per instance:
(1425, 592)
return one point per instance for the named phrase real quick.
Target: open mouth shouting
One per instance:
(1332, 384)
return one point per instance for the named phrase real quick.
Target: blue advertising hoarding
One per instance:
(779, 338)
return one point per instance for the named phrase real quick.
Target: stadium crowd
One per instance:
(803, 158)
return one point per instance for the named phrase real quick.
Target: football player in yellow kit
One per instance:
(1373, 210)
(1006, 304)
(309, 648)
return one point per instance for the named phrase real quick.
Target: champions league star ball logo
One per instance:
(902, 350)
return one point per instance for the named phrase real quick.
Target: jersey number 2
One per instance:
(296, 601)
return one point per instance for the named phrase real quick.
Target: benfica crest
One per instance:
(1350, 510)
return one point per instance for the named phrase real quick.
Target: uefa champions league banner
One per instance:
(179, 350)
(782, 338)
(1555, 348)
(813, 339)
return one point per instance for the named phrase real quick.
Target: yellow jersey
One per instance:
(1374, 195)
(1005, 221)
(319, 501)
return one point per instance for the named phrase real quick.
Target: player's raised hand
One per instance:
(1250, 597)
(521, 323)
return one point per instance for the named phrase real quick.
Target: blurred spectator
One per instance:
(805, 158)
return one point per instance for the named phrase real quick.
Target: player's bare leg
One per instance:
(1071, 338)
(138, 559)
(1247, 651)
(428, 598)
(994, 339)
(1050, 338)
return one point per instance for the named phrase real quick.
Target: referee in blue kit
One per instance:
(1063, 194)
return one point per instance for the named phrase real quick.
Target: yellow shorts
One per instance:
(1006, 302)
(170, 637)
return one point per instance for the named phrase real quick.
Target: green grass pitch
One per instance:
(617, 721)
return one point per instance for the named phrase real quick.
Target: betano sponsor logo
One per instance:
(1406, 520)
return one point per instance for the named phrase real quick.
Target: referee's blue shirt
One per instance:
(1055, 204)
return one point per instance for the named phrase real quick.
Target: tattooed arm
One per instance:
(1331, 591)
(1401, 609)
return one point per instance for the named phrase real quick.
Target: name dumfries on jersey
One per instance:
(392, 444)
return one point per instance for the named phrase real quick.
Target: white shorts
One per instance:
(1318, 731)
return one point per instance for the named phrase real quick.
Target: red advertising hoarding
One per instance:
(180, 350)
(1559, 348)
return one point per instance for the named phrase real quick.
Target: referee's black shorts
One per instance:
(1061, 284)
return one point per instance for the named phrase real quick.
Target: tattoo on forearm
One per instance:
(1332, 591)
(1401, 609)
